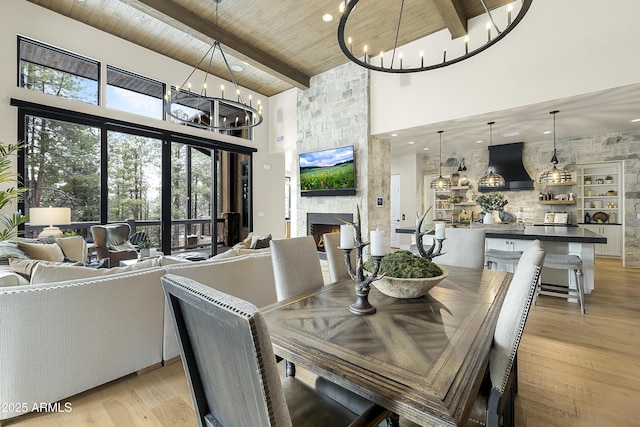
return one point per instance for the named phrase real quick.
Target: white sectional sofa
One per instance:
(59, 339)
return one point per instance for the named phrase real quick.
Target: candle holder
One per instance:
(436, 247)
(363, 281)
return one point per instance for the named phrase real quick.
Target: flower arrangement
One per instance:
(490, 202)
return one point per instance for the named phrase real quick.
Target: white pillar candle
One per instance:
(377, 243)
(440, 234)
(347, 239)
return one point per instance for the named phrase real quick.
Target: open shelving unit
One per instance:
(599, 194)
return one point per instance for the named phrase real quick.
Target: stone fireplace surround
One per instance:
(321, 223)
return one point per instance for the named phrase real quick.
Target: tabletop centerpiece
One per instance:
(405, 275)
(350, 239)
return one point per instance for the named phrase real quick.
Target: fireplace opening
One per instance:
(321, 223)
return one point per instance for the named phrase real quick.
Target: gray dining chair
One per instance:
(335, 257)
(497, 394)
(296, 270)
(296, 266)
(463, 247)
(231, 369)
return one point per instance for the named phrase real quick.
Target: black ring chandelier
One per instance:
(198, 109)
(377, 62)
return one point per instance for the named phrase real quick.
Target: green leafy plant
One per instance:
(10, 195)
(145, 244)
(490, 202)
(403, 264)
(608, 178)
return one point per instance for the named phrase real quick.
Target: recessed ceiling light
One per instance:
(327, 17)
(237, 68)
(507, 135)
(546, 132)
(425, 148)
(635, 120)
(394, 134)
(479, 141)
(411, 142)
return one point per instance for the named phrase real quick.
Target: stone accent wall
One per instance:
(334, 112)
(536, 159)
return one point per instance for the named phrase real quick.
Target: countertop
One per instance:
(549, 233)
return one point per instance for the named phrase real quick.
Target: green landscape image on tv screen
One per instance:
(327, 170)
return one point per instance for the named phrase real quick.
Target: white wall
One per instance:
(27, 19)
(560, 49)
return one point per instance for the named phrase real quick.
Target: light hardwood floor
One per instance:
(574, 370)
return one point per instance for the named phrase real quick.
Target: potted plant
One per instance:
(11, 194)
(489, 203)
(405, 275)
(587, 180)
(145, 248)
(608, 179)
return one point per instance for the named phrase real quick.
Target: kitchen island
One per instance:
(555, 240)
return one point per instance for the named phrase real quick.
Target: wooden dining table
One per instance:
(423, 358)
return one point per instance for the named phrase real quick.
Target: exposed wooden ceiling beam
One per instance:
(236, 47)
(453, 16)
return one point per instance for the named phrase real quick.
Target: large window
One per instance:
(134, 182)
(53, 71)
(187, 193)
(134, 94)
(62, 167)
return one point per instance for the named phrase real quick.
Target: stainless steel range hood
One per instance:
(506, 160)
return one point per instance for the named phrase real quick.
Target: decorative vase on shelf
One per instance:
(488, 218)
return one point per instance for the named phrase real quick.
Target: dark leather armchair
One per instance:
(112, 242)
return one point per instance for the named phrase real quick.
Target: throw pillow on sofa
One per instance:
(8, 250)
(43, 251)
(260, 242)
(25, 267)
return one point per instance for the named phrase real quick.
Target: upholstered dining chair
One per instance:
(296, 266)
(463, 247)
(112, 242)
(296, 270)
(231, 369)
(335, 257)
(497, 394)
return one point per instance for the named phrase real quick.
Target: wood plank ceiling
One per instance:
(280, 44)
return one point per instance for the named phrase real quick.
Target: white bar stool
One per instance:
(564, 262)
(494, 257)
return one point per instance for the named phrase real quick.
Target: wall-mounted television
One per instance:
(328, 172)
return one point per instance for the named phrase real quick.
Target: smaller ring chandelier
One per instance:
(386, 62)
(198, 109)
(554, 175)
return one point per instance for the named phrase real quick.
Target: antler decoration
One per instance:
(363, 282)
(435, 248)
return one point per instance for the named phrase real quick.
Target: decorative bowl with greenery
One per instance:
(491, 202)
(405, 275)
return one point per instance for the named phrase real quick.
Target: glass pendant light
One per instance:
(491, 178)
(441, 183)
(554, 175)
